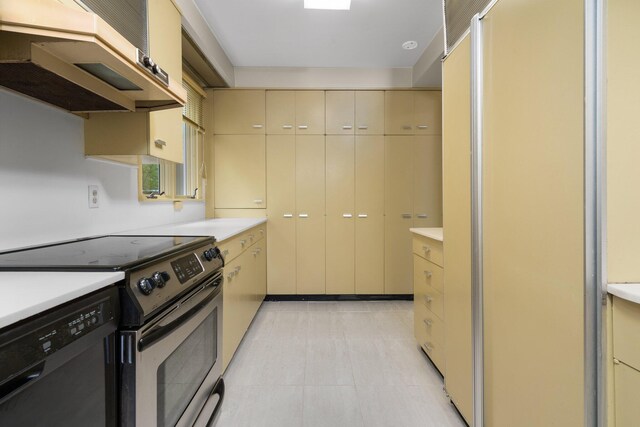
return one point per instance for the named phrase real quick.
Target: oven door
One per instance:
(171, 366)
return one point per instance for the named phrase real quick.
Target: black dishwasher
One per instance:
(58, 368)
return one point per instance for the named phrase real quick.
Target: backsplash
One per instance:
(44, 179)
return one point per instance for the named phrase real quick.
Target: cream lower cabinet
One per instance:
(626, 353)
(244, 285)
(239, 169)
(428, 301)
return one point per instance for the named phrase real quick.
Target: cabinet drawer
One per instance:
(428, 249)
(233, 247)
(427, 273)
(431, 299)
(626, 332)
(254, 235)
(427, 326)
(627, 384)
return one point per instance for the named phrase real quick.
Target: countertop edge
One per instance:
(435, 233)
(626, 291)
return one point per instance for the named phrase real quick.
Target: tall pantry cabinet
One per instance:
(331, 178)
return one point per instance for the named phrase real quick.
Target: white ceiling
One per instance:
(281, 33)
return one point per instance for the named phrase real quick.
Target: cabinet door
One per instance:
(398, 214)
(281, 202)
(281, 112)
(165, 37)
(369, 215)
(310, 207)
(340, 222)
(627, 384)
(165, 135)
(238, 112)
(427, 112)
(427, 181)
(310, 112)
(340, 112)
(369, 112)
(398, 112)
(239, 171)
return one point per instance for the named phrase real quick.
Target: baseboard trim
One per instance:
(373, 297)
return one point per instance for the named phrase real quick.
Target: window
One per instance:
(160, 179)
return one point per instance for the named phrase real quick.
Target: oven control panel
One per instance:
(187, 267)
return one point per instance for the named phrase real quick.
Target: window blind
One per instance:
(457, 18)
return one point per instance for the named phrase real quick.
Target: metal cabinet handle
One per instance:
(256, 126)
(251, 236)
(237, 269)
(287, 126)
(347, 215)
(230, 275)
(258, 201)
(428, 274)
(347, 127)
(160, 143)
(428, 299)
(362, 215)
(256, 252)
(261, 231)
(303, 127)
(363, 127)
(428, 346)
(225, 252)
(422, 216)
(303, 216)
(407, 216)
(428, 322)
(426, 248)
(422, 126)
(243, 242)
(287, 215)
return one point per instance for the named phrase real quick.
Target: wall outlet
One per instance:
(93, 196)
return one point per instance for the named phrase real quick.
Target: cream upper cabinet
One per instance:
(281, 112)
(340, 112)
(310, 112)
(427, 112)
(369, 112)
(427, 181)
(398, 112)
(239, 112)
(239, 171)
(157, 133)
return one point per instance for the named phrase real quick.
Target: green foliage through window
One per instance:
(150, 178)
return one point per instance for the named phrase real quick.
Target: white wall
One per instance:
(427, 72)
(44, 177)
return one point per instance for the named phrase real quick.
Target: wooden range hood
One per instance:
(76, 61)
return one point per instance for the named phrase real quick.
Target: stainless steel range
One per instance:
(170, 335)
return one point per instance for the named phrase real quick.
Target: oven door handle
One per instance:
(159, 332)
(219, 390)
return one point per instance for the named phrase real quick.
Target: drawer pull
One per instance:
(257, 126)
(258, 201)
(160, 143)
(256, 252)
(237, 269)
(303, 127)
(287, 216)
(303, 216)
(428, 299)
(406, 215)
(422, 216)
(426, 248)
(428, 346)
(428, 322)
(243, 242)
(428, 274)
(225, 252)
(230, 275)
(363, 127)
(363, 216)
(251, 236)
(347, 215)
(422, 126)
(261, 231)
(347, 127)
(287, 126)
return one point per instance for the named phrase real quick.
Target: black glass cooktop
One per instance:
(97, 253)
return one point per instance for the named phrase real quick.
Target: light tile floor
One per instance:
(334, 364)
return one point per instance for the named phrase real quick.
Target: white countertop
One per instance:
(628, 291)
(434, 233)
(25, 294)
(220, 228)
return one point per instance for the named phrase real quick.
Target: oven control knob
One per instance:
(146, 285)
(209, 254)
(159, 279)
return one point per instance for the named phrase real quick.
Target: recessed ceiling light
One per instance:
(411, 44)
(328, 4)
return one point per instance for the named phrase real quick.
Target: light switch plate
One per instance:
(93, 196)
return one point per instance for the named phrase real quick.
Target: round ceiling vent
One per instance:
(411, 44)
